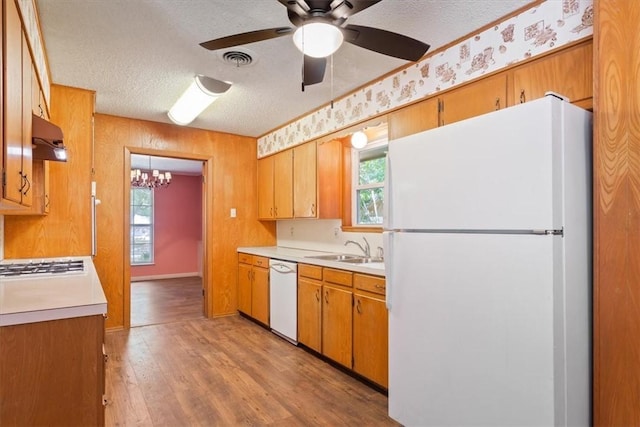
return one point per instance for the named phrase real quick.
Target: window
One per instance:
(141, 226)
(368, 183)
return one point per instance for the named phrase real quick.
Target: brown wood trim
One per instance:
(616, 208)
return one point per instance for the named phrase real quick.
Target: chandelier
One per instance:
(151, 178)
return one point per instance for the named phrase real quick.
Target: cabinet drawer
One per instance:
(339, 277)
(245, 258)
(260, 261)
(310, 271)
(369, 283)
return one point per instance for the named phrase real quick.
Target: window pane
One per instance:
(141, 253)
(140, 235)
(141, 196)
(141, 214)
(371, 171)
(370, 205)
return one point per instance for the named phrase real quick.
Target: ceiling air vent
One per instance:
(237, 57)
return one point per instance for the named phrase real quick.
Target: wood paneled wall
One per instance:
(231, 180)
(617, 213)
(67, 229)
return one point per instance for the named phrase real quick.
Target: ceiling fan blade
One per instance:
(313, 70)
(385, 42)
(294, 18)
(244, 38)
(342, 9)
(299, 7)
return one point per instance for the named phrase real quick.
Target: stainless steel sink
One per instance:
(337, 257)
(362, 260)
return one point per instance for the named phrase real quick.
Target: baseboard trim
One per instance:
(164, 276)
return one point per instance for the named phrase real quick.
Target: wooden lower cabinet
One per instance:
(310, 308)
(244, 288)
(260, 295)
(253, 287)
(52, 373)
(370, 338)
(337, 341)
(343, 316)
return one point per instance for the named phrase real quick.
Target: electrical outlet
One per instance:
(336, 231)
(291, 232)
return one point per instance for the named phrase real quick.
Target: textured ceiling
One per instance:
(140, 55)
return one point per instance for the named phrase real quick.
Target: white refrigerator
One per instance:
(488, 261)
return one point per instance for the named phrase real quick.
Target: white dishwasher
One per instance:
(283, 297)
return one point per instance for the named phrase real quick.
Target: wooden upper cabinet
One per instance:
(480, 97)
(17, 98)
(568, 72)
(283, 184)
(414, 118)
(265, 188)
(305, 204)
(330, 179)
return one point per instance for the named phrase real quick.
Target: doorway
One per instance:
(166, 239)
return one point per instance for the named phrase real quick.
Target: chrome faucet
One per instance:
(365, 249)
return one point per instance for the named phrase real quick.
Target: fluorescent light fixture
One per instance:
(200, 94)
(359, 139)
(318, 39)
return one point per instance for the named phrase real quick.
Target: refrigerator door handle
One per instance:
(387, 242)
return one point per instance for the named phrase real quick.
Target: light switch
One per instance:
(233, 213)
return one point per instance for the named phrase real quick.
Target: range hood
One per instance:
(47, 141)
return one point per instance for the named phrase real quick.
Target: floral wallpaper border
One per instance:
(544, 27)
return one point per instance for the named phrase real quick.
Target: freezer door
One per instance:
(502, 170)
(477, 332)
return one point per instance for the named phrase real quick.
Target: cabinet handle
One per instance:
(358, 306)
(28, 185)
(497, 103)
(275, 210)
(46, 201)
(523, 98)
(270, 211)
(318, 295)
(379, 286)
(249, 274)
(326, 297)
(313, 208)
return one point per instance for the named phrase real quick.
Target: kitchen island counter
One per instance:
(304, 256)
(29, 299)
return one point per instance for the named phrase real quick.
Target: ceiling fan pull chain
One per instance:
(332, 81)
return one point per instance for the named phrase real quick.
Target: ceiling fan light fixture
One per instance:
(198, 96)
(318, 39)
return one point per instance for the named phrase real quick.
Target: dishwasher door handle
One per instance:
(282, 268)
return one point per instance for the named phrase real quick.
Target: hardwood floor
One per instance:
(226, 372)
(166, 300)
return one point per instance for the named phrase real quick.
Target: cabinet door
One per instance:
(370, 339)
(260, 295)
(13, 103)
(569, 73)
(265, 188)
(480, 97)
(26, 166)
(304, 181)
(337, 326)
(283, 184)
(413, 119)
(244, 288)
(310, 313)
(329, 179)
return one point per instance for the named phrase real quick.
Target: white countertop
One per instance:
(302, 256)
(26, 299)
